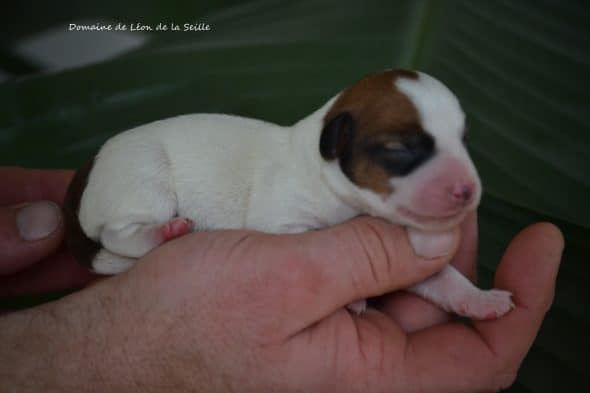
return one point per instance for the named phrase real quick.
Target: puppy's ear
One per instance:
(337, 136)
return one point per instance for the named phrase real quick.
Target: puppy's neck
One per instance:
(334, 194)
(305, 136)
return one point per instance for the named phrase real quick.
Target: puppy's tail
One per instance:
(81, 246)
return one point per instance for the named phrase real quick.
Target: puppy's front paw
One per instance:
(484, 305)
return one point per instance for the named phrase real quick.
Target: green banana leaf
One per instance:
(520, 69)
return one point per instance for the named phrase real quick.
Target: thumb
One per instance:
(362, 258)
(28, 233)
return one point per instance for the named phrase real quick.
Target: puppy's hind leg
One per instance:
(106, 262)
(134, 239)
(130, 203)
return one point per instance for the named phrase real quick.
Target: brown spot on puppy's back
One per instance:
(378, 109)
(81, 246)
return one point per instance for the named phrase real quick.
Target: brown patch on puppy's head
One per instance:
(375, 132)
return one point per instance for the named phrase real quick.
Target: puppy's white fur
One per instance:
(220, 171)
(227, 172)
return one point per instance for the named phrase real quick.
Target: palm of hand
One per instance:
(245, 311)
(256, 304)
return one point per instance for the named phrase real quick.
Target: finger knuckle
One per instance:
(377, 253)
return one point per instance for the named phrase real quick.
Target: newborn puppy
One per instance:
(390, 146)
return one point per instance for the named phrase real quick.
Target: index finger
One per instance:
(454, 357)
(27, 185)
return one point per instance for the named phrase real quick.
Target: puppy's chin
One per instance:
(427, 223)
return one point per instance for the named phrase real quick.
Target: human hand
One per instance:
(38, 261)
(245, 311)
(33, 258)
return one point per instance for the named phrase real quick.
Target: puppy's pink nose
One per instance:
(462, 193)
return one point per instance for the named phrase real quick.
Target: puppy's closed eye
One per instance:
(394, 146)
(400, 157)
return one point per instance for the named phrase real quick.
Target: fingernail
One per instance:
(432, 245)
(38, 220)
